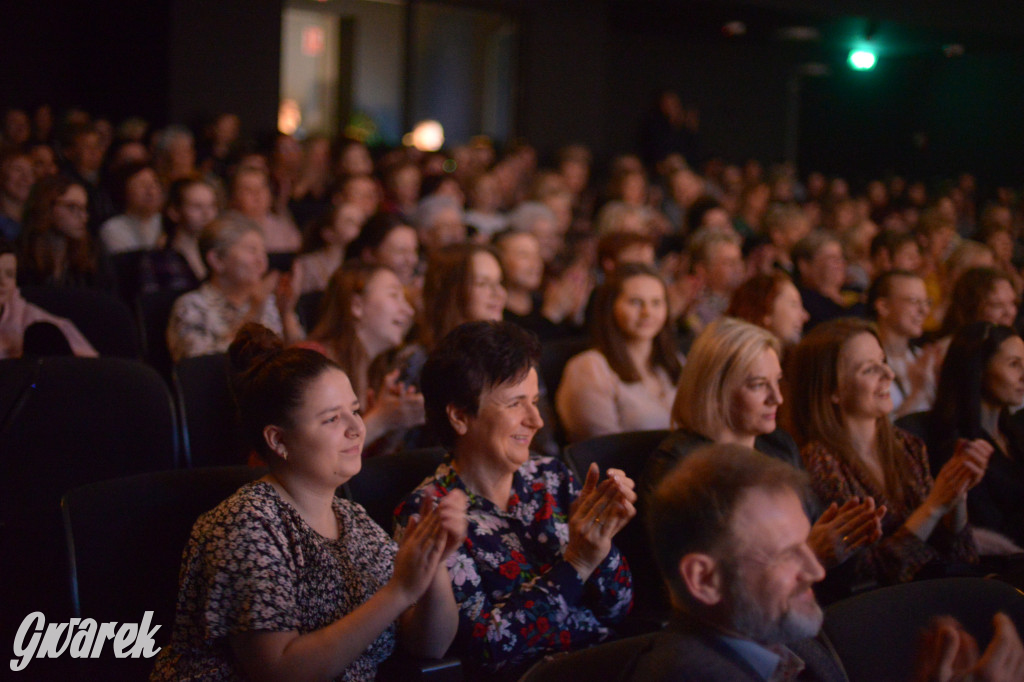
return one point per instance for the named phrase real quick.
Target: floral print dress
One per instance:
(252, 563)
(518, 598)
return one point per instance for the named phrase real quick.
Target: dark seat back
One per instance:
(125, 539)
(876, 634)
(70, 421)
(211, 433)
(104, 320)
(153, 312)
(611, 661)
(629, 452)
(385, 481)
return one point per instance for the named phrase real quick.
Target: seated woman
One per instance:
(58, 250)
(821, 266)
(979, 295)
(365, 313)
(323, 246)
(981, 381)
(386, 240)
(538, 572)
(139, 195)
(626, 382)
(773, 302)
(192, 204)
(284, 580)
(463, 283)
(548, 315)
(840, 413)
(17, 314)
(239, 290)
(729, 393)
(252, 197)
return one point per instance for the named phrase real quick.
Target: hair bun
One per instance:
(253, 345)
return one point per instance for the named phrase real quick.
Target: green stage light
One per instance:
(862, 60)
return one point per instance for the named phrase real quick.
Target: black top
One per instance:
(680, 443)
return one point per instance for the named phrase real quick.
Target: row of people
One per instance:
(505, 555)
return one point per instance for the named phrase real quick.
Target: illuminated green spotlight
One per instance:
(862, 60)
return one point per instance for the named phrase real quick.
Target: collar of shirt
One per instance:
(762, 660)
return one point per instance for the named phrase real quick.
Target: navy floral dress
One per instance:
(518, 598)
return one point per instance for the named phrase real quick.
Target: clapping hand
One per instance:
(600, 511)
(841, 531)
(430, 537)
(397, 406)
(950, 654)
(961, 473)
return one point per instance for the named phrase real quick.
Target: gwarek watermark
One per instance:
(81, 638)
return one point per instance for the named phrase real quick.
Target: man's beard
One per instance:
(747, 617)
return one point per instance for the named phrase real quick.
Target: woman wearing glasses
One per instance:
(58, 249)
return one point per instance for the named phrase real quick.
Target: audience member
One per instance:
(16, 178)
(17, 314)
(463, 283)
(192, 204)
(982, 381)
(786, 225)
(439, 223)
(386, 240)
(625, 383)
(484, 206)
(324, 246)
(773, 302)
(840, 411)
(251, 197)
(821, 267)
(313, 586)
(239, 290)
(365, 314)
(547, 311)
(58, 249)
(892, 250)
(139, 196)
(174, 154)
(717, 263)
(899, 303)
(730, 538)
(538, 572)
(729, 392)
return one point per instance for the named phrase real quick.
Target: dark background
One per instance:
(588, 70)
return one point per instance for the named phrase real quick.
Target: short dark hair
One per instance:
(373, 233)
(881, 287)
(470, 359)
(268, 381)
(890, 241)
(691, 509)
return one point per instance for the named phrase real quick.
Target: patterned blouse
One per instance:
(252, 563)
(518, 598)
(204, 321)
(900, 554)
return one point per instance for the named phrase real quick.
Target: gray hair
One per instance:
(432, 206)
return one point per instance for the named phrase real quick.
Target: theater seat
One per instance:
(125, 539)
(876, 633)
(629, 452)
(385, 481)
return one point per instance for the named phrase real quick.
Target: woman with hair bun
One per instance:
(284, 580)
